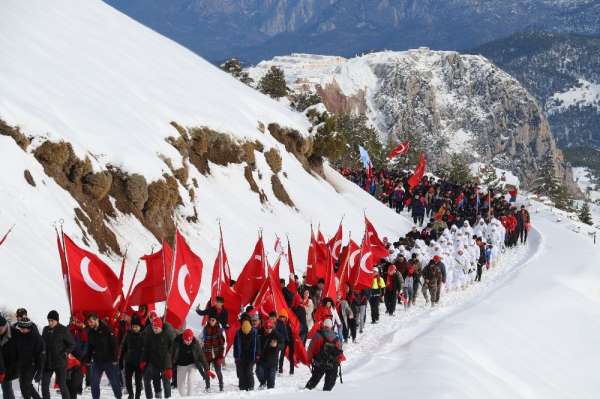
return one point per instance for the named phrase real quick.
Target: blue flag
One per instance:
(364, 157)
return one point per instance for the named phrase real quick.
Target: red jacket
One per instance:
(316, 344)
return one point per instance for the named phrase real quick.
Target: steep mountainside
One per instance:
(259, 29)
(444, 102)
(563, 72)
(123, 134)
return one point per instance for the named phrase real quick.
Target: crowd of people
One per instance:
(459, 233)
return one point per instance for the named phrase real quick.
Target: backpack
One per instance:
(328, 356)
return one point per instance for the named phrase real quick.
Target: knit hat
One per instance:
(269, 324)
(188, 335)
(283, 313)
(436, 259)
(328, 323)
(157, 323)
(135, 321)
(3, 321)
(52, 315)
(21, 312)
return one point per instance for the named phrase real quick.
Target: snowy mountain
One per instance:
(563, 72)
(122, 134)
(445, 102)
(260, 29)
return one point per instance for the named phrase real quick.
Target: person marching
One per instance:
(266, 367)
(325, 353)
(246, 351)
(102, 355)
(188, 357)
(213, 345)
(58, 342)
(131, 351)
(156, 362)
(377, 290)
(30, 356)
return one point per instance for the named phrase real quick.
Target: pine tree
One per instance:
(301, 101)
(233, 66)
(585, 215)
(490, 178)
(458, 171)
(273, 83)
(548, 184)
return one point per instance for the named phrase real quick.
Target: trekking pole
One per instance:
(341, 374)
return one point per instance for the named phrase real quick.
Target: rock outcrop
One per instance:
(445, 101)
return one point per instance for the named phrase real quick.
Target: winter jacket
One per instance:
(394, 283)
(269, 354)
(345, 311)
(9, 354)
(184, 355)
(246, 347)
(30, 350)
(102, 345)
(285, 332)
(377, 286)
(132, 347)
(157, 350)
(58, 343)
(213, 343)
(432, 274)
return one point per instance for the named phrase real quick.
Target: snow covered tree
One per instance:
(233, 66)
(458, 171)
(356, 131)
(585, 215)
(489, 177)
(273, 83)
(301, 101)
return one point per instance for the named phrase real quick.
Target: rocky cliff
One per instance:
(444, 101)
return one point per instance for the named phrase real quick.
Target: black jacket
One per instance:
(102, 345)
(184, 355)
(8, 354)
(132, 348)
(58, 342)
(269, 355)
(157, 350)
(30, 350)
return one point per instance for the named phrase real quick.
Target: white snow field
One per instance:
(82, 72)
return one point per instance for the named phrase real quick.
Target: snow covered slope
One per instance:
(84, 73)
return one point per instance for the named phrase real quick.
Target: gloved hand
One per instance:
(211, 374)
(2, 377)
(142, 366)
(168, 373)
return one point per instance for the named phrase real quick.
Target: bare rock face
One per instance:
(444, 102)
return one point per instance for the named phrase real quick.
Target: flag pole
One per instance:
(70, 294)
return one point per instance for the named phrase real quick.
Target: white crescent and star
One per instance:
(363, 263)
(353, 256)
(84, 267)
(334, 251)
(183, 273)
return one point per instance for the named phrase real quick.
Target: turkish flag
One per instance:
(153, 288)
(401, 149)
(335, 244)
(415, 179)
(187, 274)
(253, 274)
(317, 261)
(93, 284)
(362, 274)
(378, 249)
(347, 262)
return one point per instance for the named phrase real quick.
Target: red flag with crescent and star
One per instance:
(93, 285)
(185, 283)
